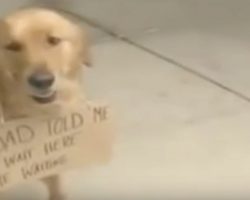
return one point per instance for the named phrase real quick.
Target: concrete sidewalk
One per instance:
(181, 93)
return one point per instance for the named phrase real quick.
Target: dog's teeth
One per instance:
(44, 99)
(45, 95)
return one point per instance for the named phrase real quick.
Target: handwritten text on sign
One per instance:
(31, 149)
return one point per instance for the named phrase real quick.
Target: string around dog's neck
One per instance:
(2, 118)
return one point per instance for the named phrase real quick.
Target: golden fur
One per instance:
(25, 47)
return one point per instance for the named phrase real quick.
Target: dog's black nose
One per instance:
(41, 80)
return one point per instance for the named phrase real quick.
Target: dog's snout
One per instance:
(41, 80)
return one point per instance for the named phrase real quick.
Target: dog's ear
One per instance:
(87, 58)
(4, 32)
(84, 42)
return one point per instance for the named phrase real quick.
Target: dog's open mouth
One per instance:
(45, 99)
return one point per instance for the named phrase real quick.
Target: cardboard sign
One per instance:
(32, 149)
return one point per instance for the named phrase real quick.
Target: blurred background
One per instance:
(177, 73)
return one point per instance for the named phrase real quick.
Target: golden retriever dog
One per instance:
(41, 59)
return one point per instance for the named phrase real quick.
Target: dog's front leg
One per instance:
(53, 184)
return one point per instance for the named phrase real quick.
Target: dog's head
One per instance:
(42, 54)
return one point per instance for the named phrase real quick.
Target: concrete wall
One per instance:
(135, 18)
(7, 6)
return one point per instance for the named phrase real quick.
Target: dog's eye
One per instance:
(14, 46)
(52, 40)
